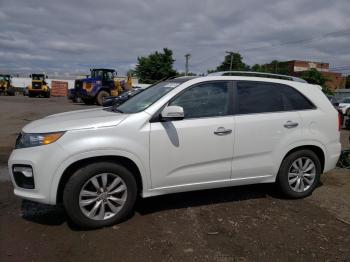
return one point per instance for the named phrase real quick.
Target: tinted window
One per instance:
(254, 97)
(294, 100)
(205, 100)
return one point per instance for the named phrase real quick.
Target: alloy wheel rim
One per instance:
(301, 174)
(102, 196)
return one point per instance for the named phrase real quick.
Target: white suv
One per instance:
(179, 135)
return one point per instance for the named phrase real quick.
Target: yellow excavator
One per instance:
(39, 86)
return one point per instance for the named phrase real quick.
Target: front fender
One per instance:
(96, 153)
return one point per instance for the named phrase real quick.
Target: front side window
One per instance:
(205, 100)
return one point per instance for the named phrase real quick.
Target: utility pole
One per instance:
(187, 56)
(230, 53)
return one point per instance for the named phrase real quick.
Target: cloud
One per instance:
(72, 36)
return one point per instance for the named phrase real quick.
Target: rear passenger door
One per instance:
(265, 124)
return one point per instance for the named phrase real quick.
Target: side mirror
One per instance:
(30, 76)
(172, 113)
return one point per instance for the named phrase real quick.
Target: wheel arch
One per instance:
(73, 167)
(314, 148)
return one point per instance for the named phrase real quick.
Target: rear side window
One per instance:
(255, 97)
(262, 97)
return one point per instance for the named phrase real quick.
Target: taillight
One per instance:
(340, 120)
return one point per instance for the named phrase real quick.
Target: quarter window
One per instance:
(205, 100)
(294, 100)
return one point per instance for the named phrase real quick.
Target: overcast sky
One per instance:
(72, 36)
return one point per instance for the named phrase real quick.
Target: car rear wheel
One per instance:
(100, 194)
(299, 174)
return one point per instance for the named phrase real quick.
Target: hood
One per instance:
(74, 120)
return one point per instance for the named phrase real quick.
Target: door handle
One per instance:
(291, 124)
(221, 131)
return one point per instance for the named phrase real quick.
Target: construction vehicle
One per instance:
(39, 86)
(6, 87)
(98, 85)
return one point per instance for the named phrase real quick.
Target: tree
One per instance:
(184, 74)
(257, 68)
(347, 84)
(155, 67)
(313, 76)
(237, 63)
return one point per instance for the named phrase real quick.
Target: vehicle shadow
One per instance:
(55, 215)
(206, 197)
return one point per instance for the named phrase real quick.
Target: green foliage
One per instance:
(275, 67)
(237, 63)
(184, 74)
(155, 67)
(313, 76)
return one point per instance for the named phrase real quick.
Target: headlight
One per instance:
(29, 140)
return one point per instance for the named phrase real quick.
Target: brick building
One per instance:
(296, 67)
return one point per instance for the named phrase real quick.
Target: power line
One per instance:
(300, 41)
(305, 40)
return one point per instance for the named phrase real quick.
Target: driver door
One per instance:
(199, 148)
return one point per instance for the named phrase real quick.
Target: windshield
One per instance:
(106, 75)
(38, 77)
(144, 99)
(5, 78)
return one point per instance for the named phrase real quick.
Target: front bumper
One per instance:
(43, 161)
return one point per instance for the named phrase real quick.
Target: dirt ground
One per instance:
(249, 223)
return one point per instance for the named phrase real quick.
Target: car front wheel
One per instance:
(100, 194)
(299, 174)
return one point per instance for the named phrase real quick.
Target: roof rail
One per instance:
(257, 74)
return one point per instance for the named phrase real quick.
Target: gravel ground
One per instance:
(249, 223)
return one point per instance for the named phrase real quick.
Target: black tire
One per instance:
(100, 96)
(30, 94)
(282, 178)
(11, 92)
(88, 101)
(80, 177)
